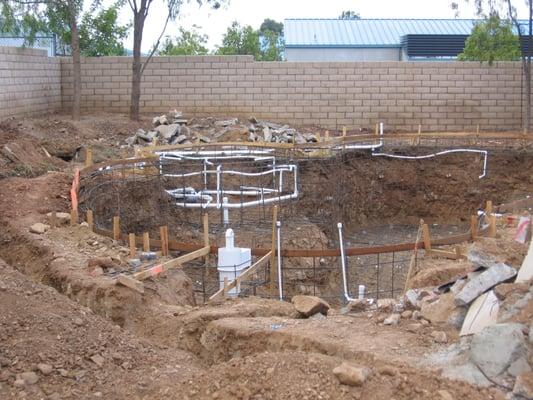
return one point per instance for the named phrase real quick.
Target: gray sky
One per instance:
(252, 12)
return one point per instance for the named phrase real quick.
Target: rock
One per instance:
(267, 135)
(416, 315)
(19, 383)
(102, 262)
(407, 314)
(357, 305)
(479, 284)
(387, 370)
(444, 311)
(62, 218)
(310, 137)
(351, 375)
(393, 319)
(524, 385)
(496, 347)
(411, 298)
(227, 122)
(45, 369)
(168, 131)
(299, 139)
(310, 305)
(39, 228)
(503, 290)
(518, 367)
(77, 321)
(439, 337)
(204, 139)
(54, 396)
(444, 395)
(179, 139)
(252, 137)
(98, 359)
(134, 262)
(29, 378)
(155, 121)
(481, 259)
(386, 305)
(466, 373)
(414, 328)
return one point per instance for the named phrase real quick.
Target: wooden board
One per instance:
(234, 283)
(525, 273)
(483, 312)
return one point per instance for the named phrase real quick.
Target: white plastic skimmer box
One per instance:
(232, 261)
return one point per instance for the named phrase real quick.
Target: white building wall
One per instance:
(342, 54)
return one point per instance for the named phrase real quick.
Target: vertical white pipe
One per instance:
(219, 168)
(280, 282)
(225, 210)
(361, 292)
(343, 265)
(230, 238)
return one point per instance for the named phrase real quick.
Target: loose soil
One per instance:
(102, 340)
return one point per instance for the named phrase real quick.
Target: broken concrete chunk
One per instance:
(386, 304)
(178, 139)
(45, 369)
(496, 347)
(29, 378)
(439, 337)
(267, 136)
(168, 131)
(411, 298)
(39, 228)
(351, 375)
(524, 385)
(357, 305)
(481, 259)
(504, 290)
(466, 373)
(393, 319)
(443, 311)
(518, 367)
(98, 359)
(479, 284)
(227, 122)
(310, 305)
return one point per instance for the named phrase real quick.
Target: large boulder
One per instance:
(496, 347)
(310, 305)
(443, 311)
(168, 131)
(481, 283)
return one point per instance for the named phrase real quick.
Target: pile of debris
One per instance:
(172, 128)
(490, 308)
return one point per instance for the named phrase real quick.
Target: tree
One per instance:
(491, 40)
(240, 40)
(140, 10)
(265, 44)
(495, 6)
(27, 18)
(349, 15)
(101, 35)
(186, 43)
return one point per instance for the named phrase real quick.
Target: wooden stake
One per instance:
(53, 219)
(419, 134)
(89, 156)
(163, 232)
(273, 255)
(73, 217)
(225, 286)
(413, 257)
(473, 227)
(425, 235)
(116, 227)
(146, 241)
(488, 208)
(90, 219)
(133, 248)
(205, 222)
(492, 226)
(318, 137)
(326, 134)
(343, 131)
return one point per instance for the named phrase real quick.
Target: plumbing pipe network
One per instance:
(189, 197)
(484, 152)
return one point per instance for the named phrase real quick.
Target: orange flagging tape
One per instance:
(74, 189)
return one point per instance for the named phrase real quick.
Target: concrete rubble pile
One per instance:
(487, 308)
(172, 128)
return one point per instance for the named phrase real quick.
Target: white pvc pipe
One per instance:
(343, 265)
(484, 152)
(280, 282)
(225, 212)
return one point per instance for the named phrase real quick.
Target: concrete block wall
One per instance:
(442, 96)
(30, 82)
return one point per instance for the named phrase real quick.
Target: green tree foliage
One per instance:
(265, 44)
(491, 40)
(100, 33)
(186, 43)
(349, 15)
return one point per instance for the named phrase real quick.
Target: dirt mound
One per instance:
(74, 353)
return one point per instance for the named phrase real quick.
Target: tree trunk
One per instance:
(76, 62)
(138, 25)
